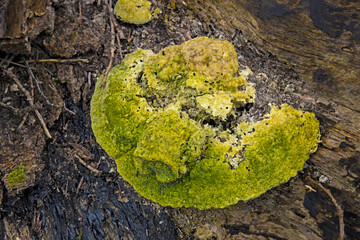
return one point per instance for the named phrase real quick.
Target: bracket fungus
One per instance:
(168, 120)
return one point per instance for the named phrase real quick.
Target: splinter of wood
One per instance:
(339, 210)
(112, 48)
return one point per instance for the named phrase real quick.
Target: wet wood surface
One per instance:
(310, 46)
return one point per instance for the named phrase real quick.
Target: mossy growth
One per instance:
(169, 121)
(17, 175)
(134, 11)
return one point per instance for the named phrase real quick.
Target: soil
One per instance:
(73, 191)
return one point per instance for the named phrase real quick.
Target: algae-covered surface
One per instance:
(133, 11)
(163, 117)
(17, 175)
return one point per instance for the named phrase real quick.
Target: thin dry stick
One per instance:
(113, 48)
(119, 46)
(130, 36)
(86, 165)
(43, 123)
(23, 121)
(58, 60)
(30, 100)
(79, 186)
(80, 12)
(68, 110)
(31, 81)
(339, 210)
(32, 76)
(15, 110)
(13, 63)
(64, 106)
(118, 34)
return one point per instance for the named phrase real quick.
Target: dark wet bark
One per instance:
(72, 191)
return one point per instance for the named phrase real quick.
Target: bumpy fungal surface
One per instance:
(170, 122)
(133, 11)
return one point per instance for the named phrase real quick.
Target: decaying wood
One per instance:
(73, 200)
(30, 100)
(339, 209)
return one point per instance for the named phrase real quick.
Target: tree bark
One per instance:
(72, 190)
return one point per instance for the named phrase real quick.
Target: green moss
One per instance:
(17, 175)
(134, 11)
(119, 111)
(161, 147)
(152, 118)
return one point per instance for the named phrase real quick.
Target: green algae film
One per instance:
(152, 115)
(17, 175)
(133, 11)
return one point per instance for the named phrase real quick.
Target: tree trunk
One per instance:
(304, 53)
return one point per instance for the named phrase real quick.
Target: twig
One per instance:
(130, 36)
(339, 210)
(64, 106)
(80, 12)
(23, 121)
(30, 100)
(118, 28)
(58, 60)
(112, 48)
(32, 76)
(15, 110)
(43, 123)
(79, 186)
(119, 34)
(89, 78)
(68, 110)
(86, 165)
(31, 81)
(14, 63)
(119, 46)
(8, 59)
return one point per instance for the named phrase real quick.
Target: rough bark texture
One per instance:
(304, 53)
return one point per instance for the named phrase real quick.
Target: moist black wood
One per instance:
(304, 53)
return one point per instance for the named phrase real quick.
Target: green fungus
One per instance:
(17, 175)
(134, 11)
(161, 117)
